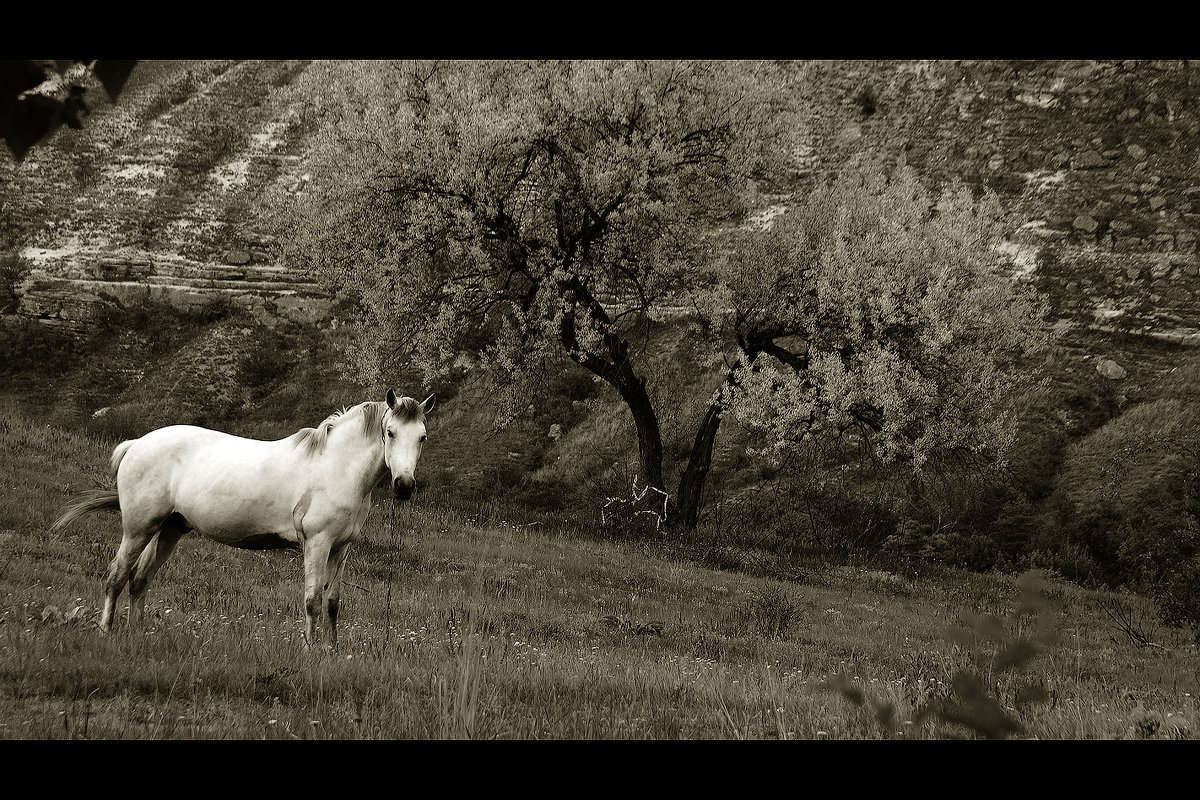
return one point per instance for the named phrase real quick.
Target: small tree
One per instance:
(554, 207)
(14, 269)
(878, 308)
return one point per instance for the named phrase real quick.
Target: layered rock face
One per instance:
(163, 197)
(167, 194)
(1098, 160)
(70, 291)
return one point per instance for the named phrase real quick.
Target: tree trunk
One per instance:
(650, 446)
(617, 370)
(691, 483)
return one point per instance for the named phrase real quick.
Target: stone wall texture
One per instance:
(1097, 159)
(162, 195)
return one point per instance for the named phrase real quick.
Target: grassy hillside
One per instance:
(573, 447)
(472, 626)
(513, 614)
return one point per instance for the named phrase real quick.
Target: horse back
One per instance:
(179, 455)
(119, 455)
(228, 487)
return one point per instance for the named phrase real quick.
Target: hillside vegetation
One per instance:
(1099, 487)
(472, 625)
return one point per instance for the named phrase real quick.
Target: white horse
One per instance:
(311, 490)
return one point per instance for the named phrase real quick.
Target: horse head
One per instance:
(403, 436)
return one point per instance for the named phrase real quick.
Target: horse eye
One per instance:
(424, 437)
(391, 435)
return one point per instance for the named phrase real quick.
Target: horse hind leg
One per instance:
(157, 551)
(119, 569)
(137, 533)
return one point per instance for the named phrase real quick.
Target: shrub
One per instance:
(1130, 493)
(843, 521)
(541, 495)
(13, 270)
(1013, 529)
(941, 545)
(214, 309)
(265, 364)
(773, 612)
(129, 421)
(1178, 598)
(32, 347)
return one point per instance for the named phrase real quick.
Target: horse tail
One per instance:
(119, 454)
(96, 500)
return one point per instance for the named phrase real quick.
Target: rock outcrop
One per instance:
(167, 194)
(162, 198)
(1098, 160)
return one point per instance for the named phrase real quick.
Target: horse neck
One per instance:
(359, 460)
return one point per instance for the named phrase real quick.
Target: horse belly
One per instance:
(255, 526)
(263, 541)
(242, 503)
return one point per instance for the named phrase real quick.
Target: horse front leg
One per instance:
(316, 562)
(333, 591)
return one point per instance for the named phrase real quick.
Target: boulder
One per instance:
(238, 258)
(1110, 369)
(1089, 159)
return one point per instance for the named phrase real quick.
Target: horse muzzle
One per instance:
(402, 488)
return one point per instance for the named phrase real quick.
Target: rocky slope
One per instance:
(168, 194)
(164, 194)
(1097, 159)
(159, 197)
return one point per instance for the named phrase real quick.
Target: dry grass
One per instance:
(497, 630)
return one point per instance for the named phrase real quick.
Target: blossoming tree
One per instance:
(518, 210)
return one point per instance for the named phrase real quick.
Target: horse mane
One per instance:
(312, 440)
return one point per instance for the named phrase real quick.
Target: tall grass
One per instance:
(497, 629)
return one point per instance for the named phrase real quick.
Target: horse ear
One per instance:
(391, 399)
(427, 405)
